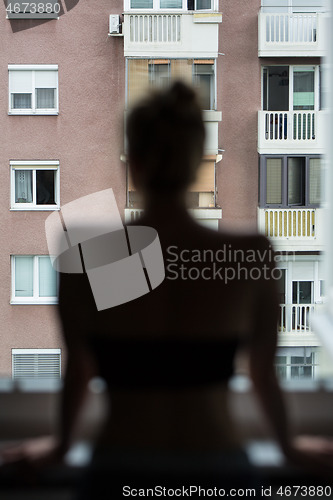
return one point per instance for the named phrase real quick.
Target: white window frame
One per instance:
(34, 166)
(156, 7)
(33, 352)
(33, 69)
(35, 299)
(317, 83)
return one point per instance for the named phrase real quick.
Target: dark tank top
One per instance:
(163, 363)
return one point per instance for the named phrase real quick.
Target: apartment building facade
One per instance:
(292, 45)
(65, 85)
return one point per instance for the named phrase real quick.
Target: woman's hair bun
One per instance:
(182, 94)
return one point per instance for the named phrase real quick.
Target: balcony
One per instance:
(293, 228)
(292, 35)
(208, 217)
(295, 132)
(171, 34)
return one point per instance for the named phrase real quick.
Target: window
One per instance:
(172, 4)
(34, 185)
(143, 74)
(33, 89)
(296, 362)
(36, 364)
(290, 181)
(287, 88)
(34, 281)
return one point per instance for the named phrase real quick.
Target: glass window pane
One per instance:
(203, 4)
(45, 187)
(159, 74)
(303, 88)
(203, 78)
(315, 181)
(45, 98)
(23, 186)
(141, 4)
(171, 4)
(274, 181)
(23, 276)
(21, 101)
(47, 278)
(277, 88)
(296, 181)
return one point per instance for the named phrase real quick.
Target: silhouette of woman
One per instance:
(168, 355)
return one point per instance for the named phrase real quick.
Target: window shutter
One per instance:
(303, 271)
(20, 82)
(274, 181)
(46, 79)
(36, 365)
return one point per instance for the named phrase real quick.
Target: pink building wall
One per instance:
(239, 99)
(86, 138)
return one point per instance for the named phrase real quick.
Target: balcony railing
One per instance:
(209, 217)
(171, 34)
(291, 130)
(296, 317)
(149, 28)
(291, 34)
(289, 223)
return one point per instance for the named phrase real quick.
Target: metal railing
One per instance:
(290, 223)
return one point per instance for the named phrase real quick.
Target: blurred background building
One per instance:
(65, 84)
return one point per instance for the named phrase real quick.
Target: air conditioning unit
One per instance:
(114, 24)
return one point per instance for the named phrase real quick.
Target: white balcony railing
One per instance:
(148, 28)
(289, 223)
(292, 130)
(296, 317)
(171, 34)
(208, 217)
(291, 34)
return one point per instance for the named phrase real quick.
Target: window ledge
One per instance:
(33, 113)
(34, 302)
(35, 209)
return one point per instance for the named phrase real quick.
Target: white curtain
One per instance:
(23, 186)
(47, 278)
(21, 101)
(45, 98)
(23, 276)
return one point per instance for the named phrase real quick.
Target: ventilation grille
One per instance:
(37, 366)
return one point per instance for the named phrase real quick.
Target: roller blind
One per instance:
(138, 79)
(315, 180)
(303, 271)
(46, 79)
(205, 180)
(274, 181)
(20, 82)
(181, 69)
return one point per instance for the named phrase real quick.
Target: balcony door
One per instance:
(289, 88)
(302, 296)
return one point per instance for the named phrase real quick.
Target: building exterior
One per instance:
(292, 42)
(65, 85)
